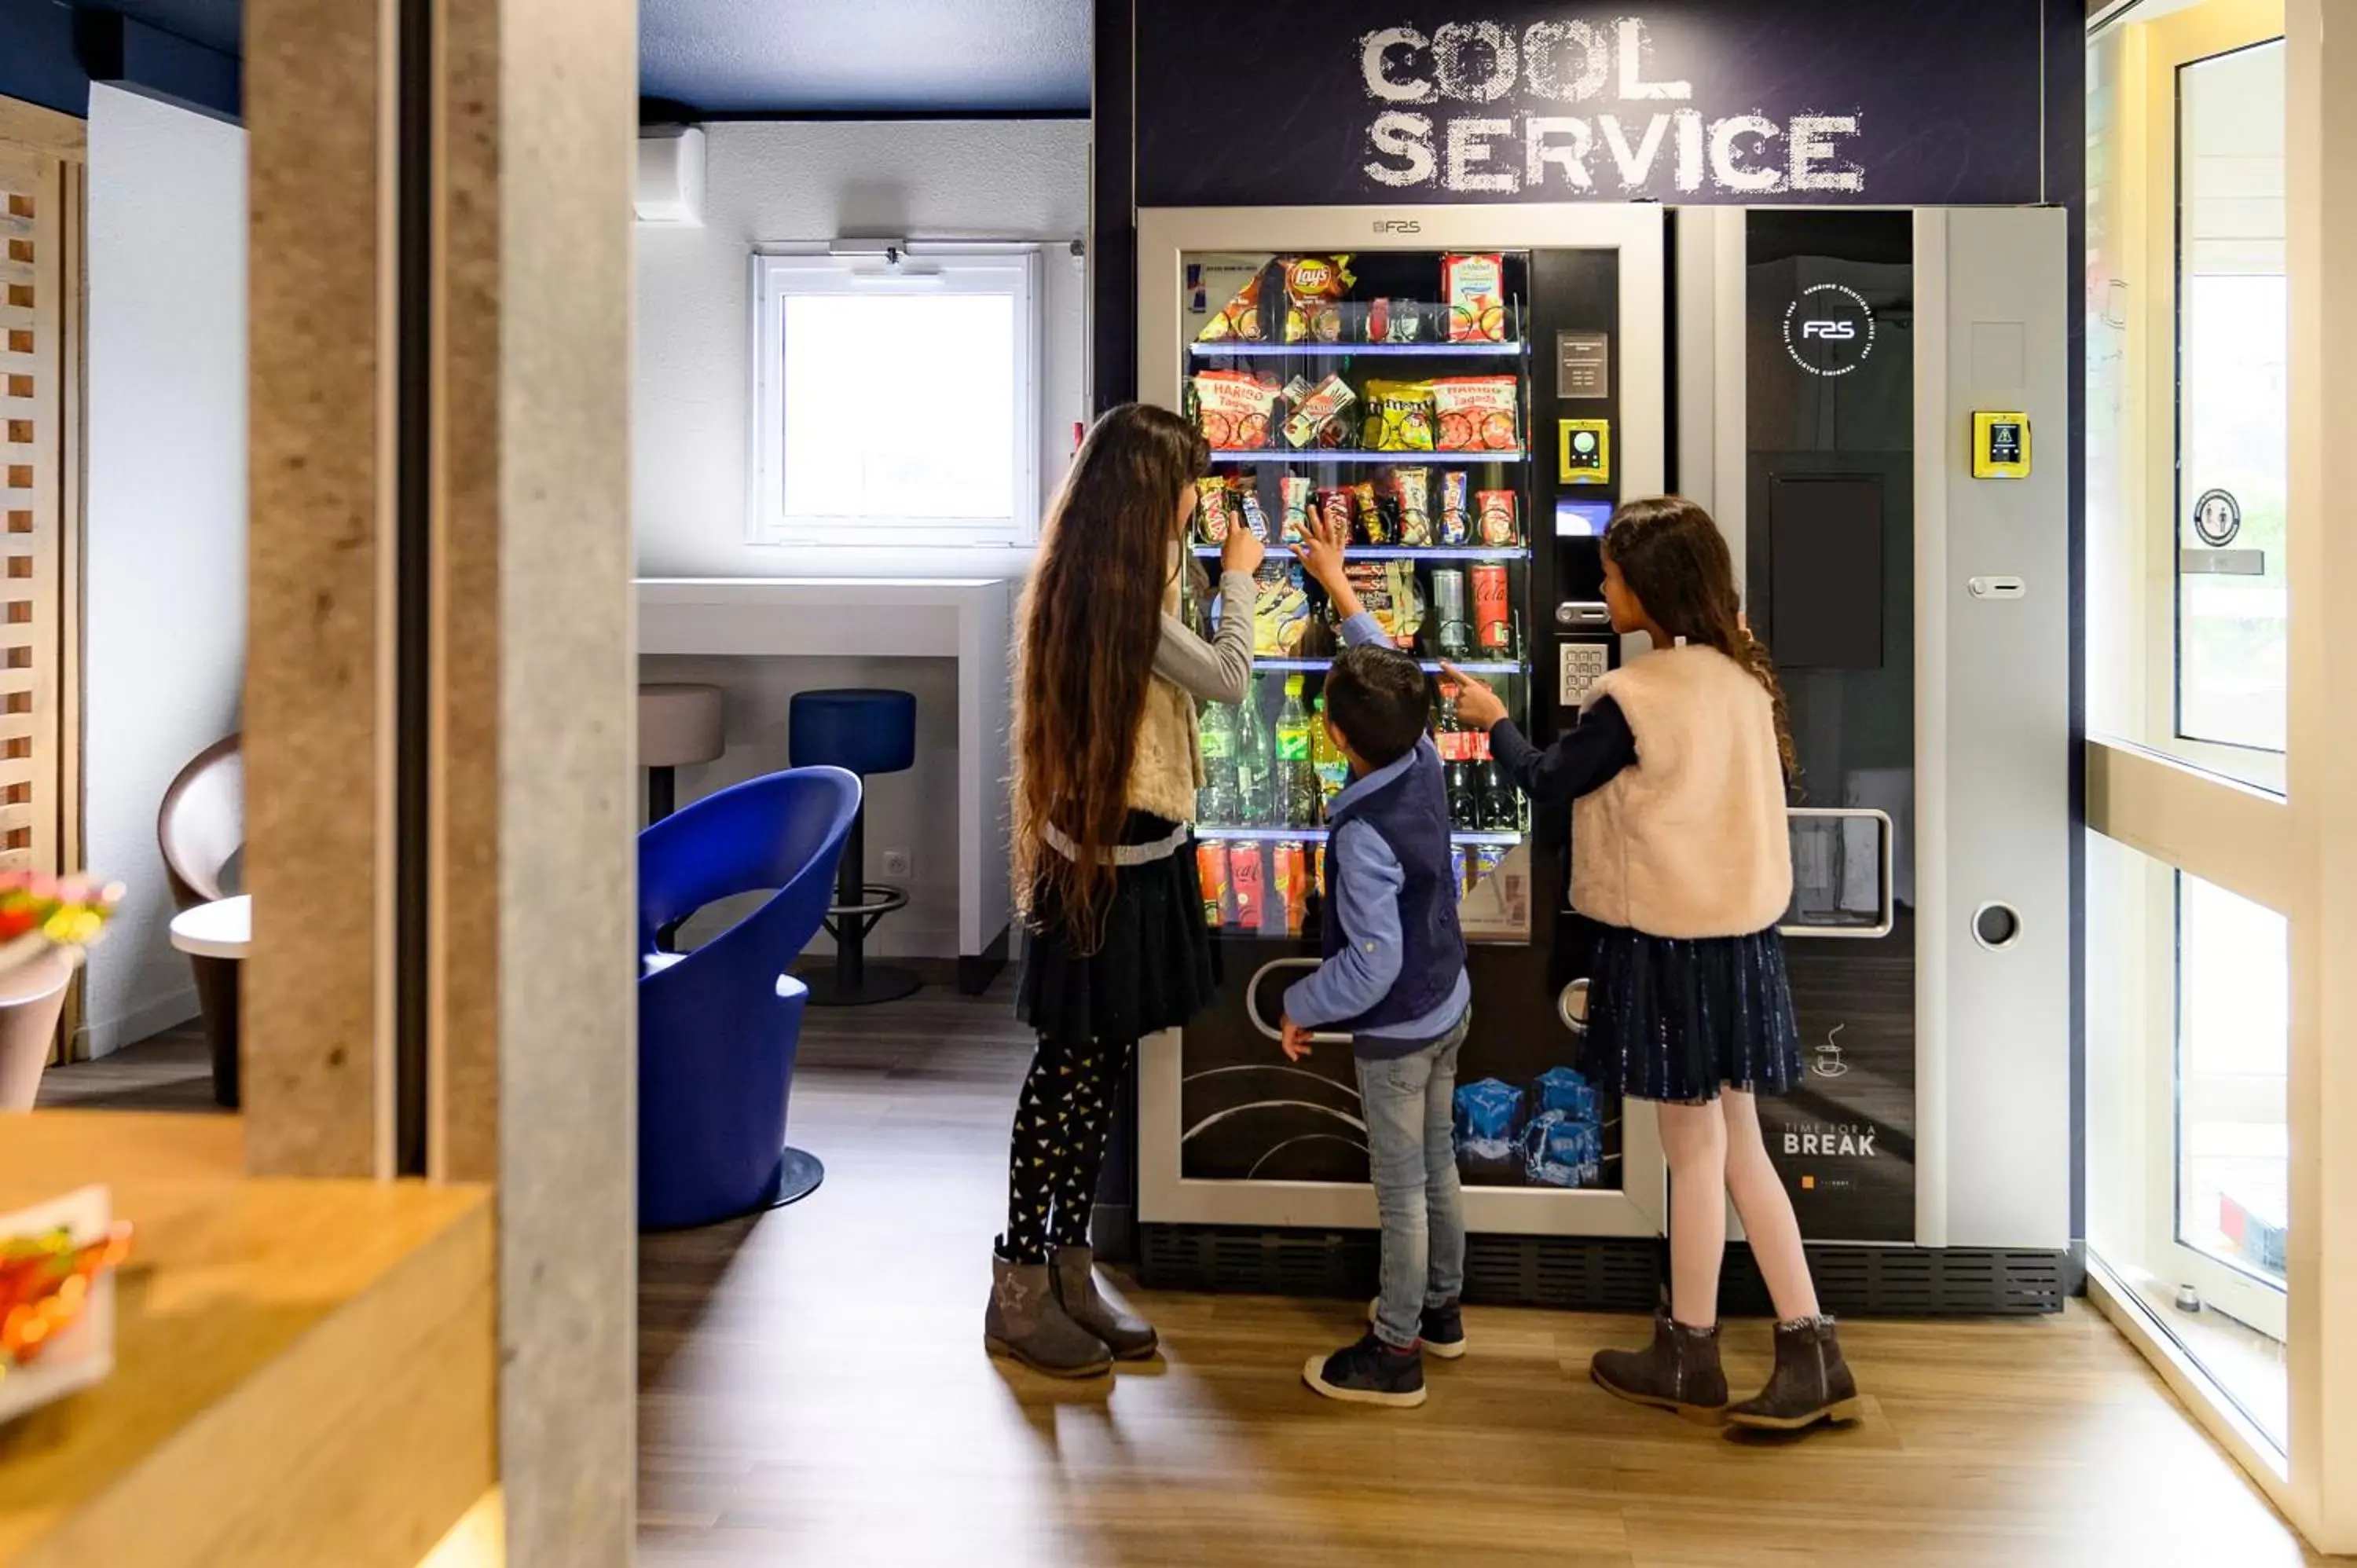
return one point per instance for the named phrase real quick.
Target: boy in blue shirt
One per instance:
(1394, 979)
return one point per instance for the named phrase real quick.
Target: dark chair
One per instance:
(200, 828)
(718, 1026)
(866, 731)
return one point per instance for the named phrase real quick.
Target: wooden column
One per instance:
(321, 99)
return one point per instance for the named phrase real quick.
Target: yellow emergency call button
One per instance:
(2000, 445)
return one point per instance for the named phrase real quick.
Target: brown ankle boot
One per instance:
(1678, 1372)
(1810, 1382)
(1024, 1321)
(1127, 1335)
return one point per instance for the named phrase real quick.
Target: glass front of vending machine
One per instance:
(1470, 391)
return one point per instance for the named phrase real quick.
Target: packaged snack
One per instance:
(1312, 285)
(1249, 511)
(1456, 514)
(1494, 514)
(1413, 487)
(1319, 406)
(1475, 288)
(1297, 493)
(1408, 603)
(1399, 416)
(1334, 512)
(1367, 512)
(1476, 413)
(1214, 510)
(1456, 872)
(1239, 319)
(1373, 581)
(1394, 321)
(1281, 614)
(1232, 410)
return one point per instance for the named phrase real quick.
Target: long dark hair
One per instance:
(1674, 560)
(1084, 644)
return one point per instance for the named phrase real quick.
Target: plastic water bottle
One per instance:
(1255, 768)
(1219, 804)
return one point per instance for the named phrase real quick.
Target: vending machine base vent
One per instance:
(1581, 1273)
(1916, 1281)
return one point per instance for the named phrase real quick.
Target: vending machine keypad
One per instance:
(1582, 664)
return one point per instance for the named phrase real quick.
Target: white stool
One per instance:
(219, 935)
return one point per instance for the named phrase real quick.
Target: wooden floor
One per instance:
(815, 1392)
(172, 1072)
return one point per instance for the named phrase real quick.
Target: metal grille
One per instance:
(1605, 1275)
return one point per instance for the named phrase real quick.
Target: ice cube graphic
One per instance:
(1488, 1115)
(1559, 1150)
(1563, 1089)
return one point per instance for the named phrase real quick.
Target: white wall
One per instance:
(165, 544)
(768, 184)
(780, 184)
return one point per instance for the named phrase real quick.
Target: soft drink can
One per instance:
(1487, 859)
(1211, 867)
(1457, 865)
(1288, 901)
(1448, 610)
(1490, 609)
(1251, 889)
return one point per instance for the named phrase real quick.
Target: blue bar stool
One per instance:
(863, 731)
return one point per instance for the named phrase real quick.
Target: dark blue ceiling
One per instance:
(805, 57)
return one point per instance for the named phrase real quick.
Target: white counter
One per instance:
(967, 620)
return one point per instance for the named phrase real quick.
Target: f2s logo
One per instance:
(1832, 331)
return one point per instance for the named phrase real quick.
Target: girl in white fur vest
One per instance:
(1678, 771)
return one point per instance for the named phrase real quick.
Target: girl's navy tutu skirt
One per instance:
(1677, 1020)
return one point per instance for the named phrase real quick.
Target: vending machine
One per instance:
(1470, 391)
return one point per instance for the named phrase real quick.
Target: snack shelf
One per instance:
(1429, 666)
(1337, 454)
(1411, 552)
(1232, 349)
(1205, 831)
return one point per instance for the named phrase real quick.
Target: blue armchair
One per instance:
(718, 1027)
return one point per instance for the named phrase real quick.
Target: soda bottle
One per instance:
(1296, 795)
(1218, 803)
(1256, 802)
(1501, 808)
(1333, 769)
(1456, 763)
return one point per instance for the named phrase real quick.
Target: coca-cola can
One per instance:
(1492, 627)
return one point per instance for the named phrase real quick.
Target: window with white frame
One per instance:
(895, 397)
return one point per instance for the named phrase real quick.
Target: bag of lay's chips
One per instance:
(1399, 416)
(1312, 286)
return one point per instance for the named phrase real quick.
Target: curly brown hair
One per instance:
(1084, 642)
(1675, 561)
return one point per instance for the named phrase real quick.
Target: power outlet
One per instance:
(895, 863)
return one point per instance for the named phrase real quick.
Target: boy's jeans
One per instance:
(1410, 1103)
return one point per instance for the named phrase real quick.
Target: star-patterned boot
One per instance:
(1024, 1321)
(1127, 1335)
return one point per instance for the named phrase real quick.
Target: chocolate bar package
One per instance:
(1215, 510)
(1248, 508)
(1319, 408)
(1455, 507)
(1413, 490)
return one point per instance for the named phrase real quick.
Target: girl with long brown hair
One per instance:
(1107, 765)
(1678, 772)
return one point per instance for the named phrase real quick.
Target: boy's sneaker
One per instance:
(1443, 1333)
(1369, 1373)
